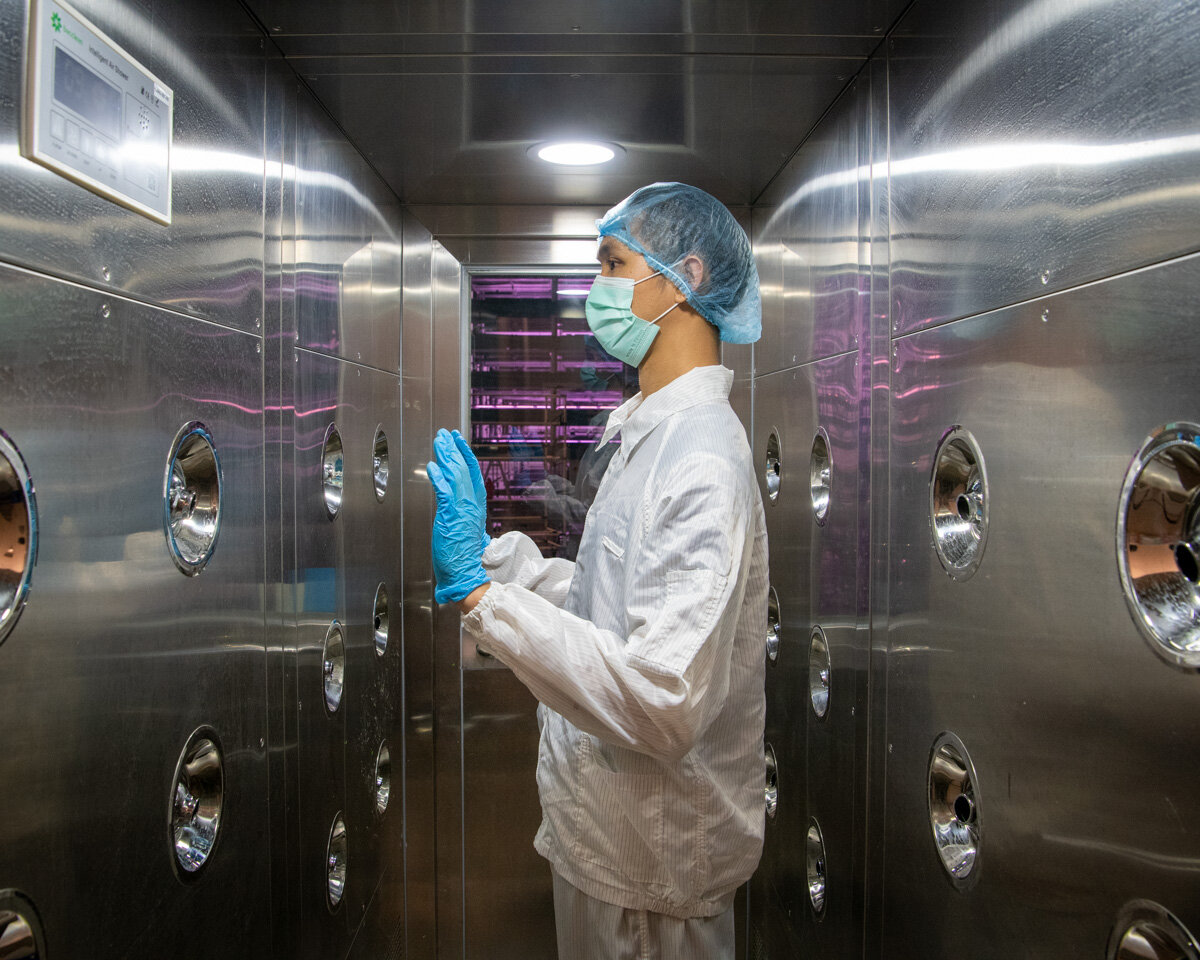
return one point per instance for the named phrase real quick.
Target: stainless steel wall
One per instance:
(1008, 249)
(118, 656)
(272, 308)
(811, 233)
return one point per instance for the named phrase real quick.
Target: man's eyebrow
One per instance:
(606, 250)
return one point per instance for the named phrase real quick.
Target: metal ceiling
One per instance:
(445, 97)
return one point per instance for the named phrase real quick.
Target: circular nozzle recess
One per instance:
(379, 463)
(819, 672)
(337, 861)
(773, 467)
(774, 625)
(815, 857)
(958, 503)
(333, 666)
(21, 936)
(383, 778)
(771, 791)
(18, 534)
(1158, 542)
(332, 478)
(1146, 931)
(197, 795)
(380, 620)
(820, 476)
(192, 498)
(954, 809)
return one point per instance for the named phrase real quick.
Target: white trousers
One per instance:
(589, 929)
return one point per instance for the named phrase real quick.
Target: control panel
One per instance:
(94, 114)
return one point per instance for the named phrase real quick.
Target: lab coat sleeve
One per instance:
(657, 688)
(515, 559)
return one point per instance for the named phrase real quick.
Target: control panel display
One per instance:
(94, 114)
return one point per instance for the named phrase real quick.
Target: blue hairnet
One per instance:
(668, 222)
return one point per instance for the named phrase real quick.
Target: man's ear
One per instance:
(692, 270)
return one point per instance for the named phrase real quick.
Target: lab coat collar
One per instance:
(638, 415)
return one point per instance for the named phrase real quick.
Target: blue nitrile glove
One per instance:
(458, 526)
(477, 484)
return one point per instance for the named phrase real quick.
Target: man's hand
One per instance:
(459, 534)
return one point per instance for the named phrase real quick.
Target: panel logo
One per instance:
(59, 27)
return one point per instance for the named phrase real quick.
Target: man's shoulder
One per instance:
(707, 435)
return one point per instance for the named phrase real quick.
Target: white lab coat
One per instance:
(647, 655)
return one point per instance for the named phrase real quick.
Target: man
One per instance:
(647, 652)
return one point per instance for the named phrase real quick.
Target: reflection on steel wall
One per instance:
(202, 472)
(1018, 776)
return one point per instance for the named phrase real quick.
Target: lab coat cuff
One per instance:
(473, 621)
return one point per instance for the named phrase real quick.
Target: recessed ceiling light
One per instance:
(577, 154)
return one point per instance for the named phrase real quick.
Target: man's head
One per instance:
(694, 241)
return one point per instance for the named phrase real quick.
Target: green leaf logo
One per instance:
(56, 22)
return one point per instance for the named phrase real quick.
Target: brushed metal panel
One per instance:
(418, 509)
(447, 409)
(1086, 762)
(739, 357)
(388, 52)
(808, 241)
(521, 252)
(625, 18)
(323, 592)
(1038, 145)
(370, 400)
(731, 145)
(118, 657)
(509, 901)
(343, 240)
(814, 570)
(209, 262)
(279, 497)
(771, 925)
(877, 382)
(741, 398)
(531, 220)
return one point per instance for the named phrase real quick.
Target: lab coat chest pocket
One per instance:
(610, 523)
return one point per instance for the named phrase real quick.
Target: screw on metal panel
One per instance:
(104, 272)
(296, 354)
(105, 311)
(257, 323)
(257, 347)
(1045, 277)
(358, 356)
(1045, 316)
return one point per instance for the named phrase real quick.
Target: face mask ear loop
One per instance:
(663, 314)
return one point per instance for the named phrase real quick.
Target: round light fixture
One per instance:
(576, 154)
